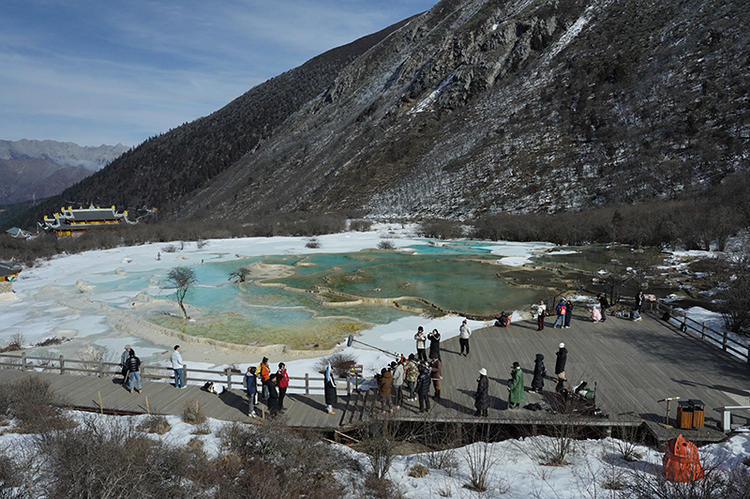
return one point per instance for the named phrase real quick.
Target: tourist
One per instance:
(596, 314)
(397, 371)
(330, 389)
(434, 338)
(436, 374)
(282, 380)
(562, 358)
(251, 386)
(640, 298)
(123, 362)
(423, 388)
(482, 398)
(560, 311)
(385, 385)
(421, 338)
(134, 363)
(568, 313)
(537, 383)
(541, 311)
(464, 333)
(264, 371)
(411, 373)
(179, 367)
(604, 304)
(515, 387)
(273, 394)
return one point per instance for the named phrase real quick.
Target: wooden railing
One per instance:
(700, 329)
(229, 376)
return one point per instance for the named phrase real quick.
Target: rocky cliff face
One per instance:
(474, 107)
(482, 106)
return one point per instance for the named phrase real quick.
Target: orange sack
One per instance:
(681, 461)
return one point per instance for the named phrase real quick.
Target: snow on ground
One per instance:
(515, 470)
(41, 311)
(513, 465)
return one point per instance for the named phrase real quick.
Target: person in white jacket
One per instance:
(179, 367)
(463, 337)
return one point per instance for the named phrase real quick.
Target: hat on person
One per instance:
(128, 347)
(516, 364)
(561, 345)
(483, 371)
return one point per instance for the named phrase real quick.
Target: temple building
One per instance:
(72, 222)
(8, 274)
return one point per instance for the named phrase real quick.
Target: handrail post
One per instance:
(684, 322)
(101, 368)
(724, 341)
(184, 374)
(23, 361)
(62, 364)
(228, 372)
(703, 330)
(348, 385)
(307, 383)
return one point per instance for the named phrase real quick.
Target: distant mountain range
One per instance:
(475, 107)
(38, 169)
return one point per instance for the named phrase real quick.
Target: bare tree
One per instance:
(181, 278)
(239, 275)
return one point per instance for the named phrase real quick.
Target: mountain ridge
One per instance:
(34, 169)
(473, 108)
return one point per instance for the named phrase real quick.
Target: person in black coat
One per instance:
(604, 304)
(434, 338)
(423, 388)
(568, 313)
(482, 398)
(562, 358)
(273, 394)
(537, 383)
(329, 388)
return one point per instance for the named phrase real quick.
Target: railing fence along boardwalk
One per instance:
(706, 333)
(231, 376)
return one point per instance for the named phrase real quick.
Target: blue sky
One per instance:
(103, 72)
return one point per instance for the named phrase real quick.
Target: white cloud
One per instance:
(91, 72)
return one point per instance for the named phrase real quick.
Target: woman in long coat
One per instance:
(423, 388)
(330, 390)
(515, 386)
(562, 359)
(537, 384)
(482, 399)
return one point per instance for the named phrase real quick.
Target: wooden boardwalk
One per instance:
(632, 365)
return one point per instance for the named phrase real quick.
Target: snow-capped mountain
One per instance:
(38, 169)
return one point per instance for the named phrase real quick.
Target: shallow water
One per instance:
(325, 297)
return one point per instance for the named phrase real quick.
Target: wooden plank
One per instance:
(633, 364)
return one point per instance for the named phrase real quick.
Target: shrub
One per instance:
(106, 460)
(312, 243)
(301, 466)
(341, 363)
(34, 404)
(15, 343)
(192, 413)
(155, 423)
(360, 225)
(386, 244)
(441, 229)
(419, 471)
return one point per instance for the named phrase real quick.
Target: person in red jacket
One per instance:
(282, 380)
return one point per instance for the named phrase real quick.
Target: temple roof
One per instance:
(7, 269)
